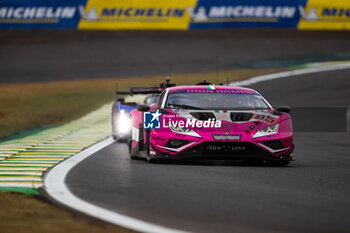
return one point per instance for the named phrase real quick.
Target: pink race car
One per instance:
(211, 122)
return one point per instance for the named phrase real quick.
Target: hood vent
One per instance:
(240, 116)
(203, 116)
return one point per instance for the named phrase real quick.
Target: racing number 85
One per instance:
(265, 118)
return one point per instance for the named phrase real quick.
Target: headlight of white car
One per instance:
(184, 130)
(272, 129)
(124, 122)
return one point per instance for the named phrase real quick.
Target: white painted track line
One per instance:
(286, 74)
(55, 186)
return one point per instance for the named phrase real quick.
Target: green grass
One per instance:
(26, 106)
(25, 213)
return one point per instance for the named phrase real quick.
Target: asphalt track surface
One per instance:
(49, 55)
(310, 195)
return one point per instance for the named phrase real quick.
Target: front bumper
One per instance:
(218, 150)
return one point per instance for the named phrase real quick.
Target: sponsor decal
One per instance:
(243, 13)
(65, 12)
(211, 89)
(137, 14)
(226, 148)
(191, 123)
(133, 12)
(325, 13)
(151, 120)
(322, 14)
(39, 14)
(240, 12)
(158, 138)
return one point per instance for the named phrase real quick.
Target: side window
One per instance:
(160, 100)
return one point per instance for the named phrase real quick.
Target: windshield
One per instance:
(151, 99)
(219, 101)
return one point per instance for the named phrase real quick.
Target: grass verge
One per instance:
(24, 213)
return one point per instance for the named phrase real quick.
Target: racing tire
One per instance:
(129, 148)
(148, 148)
(122, 139)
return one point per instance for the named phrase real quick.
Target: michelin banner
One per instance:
(246, 13)
(325, 15)
(136, 14)
(40, 13)
(175, 14)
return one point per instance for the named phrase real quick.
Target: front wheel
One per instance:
(132, 155)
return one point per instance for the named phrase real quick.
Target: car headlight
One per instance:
(184, 130)
(272, 129)
(124, 122)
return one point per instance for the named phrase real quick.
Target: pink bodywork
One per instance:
(159, 137)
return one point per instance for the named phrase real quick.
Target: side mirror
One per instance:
(121, 100)
(142, 108)
(285, 109)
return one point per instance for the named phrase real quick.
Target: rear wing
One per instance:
(141, 90)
